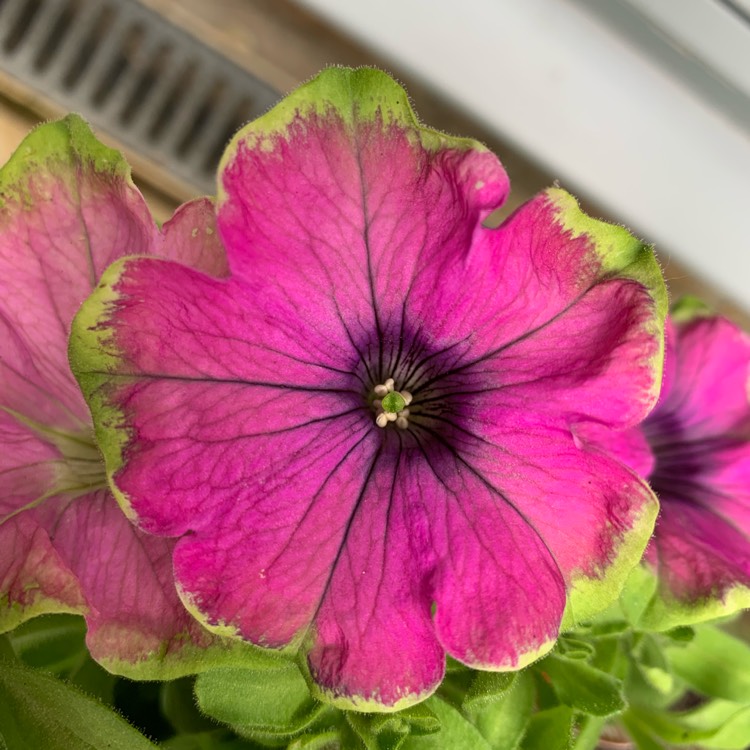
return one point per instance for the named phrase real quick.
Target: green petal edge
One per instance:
(94, 359)
(13, 615)
(664, 612)
(64, 142)
(621, 255)
(590, 595)
(177, 659)
(352, 94)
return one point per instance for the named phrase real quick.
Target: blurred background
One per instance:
(640, 107)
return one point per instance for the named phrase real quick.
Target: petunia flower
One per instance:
(695, 450)
(68, 209)
(363, 438)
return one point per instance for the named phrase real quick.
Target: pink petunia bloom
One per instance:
(363, 438)
(695, 450)
(69, 208)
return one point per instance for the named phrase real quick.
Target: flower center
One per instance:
(390, 405)
(83, 470)
(80, 468)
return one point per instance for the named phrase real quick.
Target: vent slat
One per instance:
(154, 87)
(186, 110)
(217, 121)
(18, 19)
(37, 29)
(124, 67)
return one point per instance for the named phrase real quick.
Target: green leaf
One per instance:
(456, 732)
(575, 648)
(503, 720)
(6, 650)
(683, 634)
(715, 664)
(389, 731)
(610, 654)
(730, 722)
(549, 730)
(725, 726)
(52, 642)
(589, 730)
(487, 687)
(583, 687)
(637, 593)
(56, 643)
(218, 739)
(263, 704)
(324, 740)
(639, 733)
(469, 689)
(39, 711)
(654, 666)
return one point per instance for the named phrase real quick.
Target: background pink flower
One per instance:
(69, 208)
(364, 437)
(697, 460)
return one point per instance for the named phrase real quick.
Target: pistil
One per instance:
(390, 405)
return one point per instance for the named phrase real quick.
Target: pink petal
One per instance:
(702, 558)
(62, 222)
(137, 624)
(548, 267)
(33, 577)
(69, 209)
(443, 538)
(190, 237)
(707, 394)
(349, 213)
(628, 446)
(578, 366)
(593, 514)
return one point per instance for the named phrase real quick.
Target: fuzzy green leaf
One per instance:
(389, 731)
(549, 730)
(456, 732)
(725, 726)
(583, 687)
(39, 711)
(261, 703)
(218, 739)
(503, 720)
